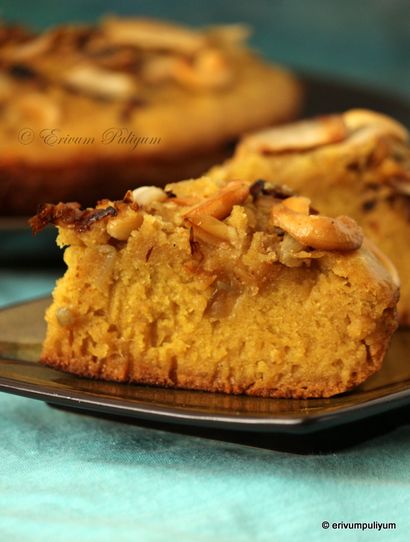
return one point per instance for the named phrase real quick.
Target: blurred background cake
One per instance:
(91, 109)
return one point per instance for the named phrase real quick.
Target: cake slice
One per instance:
(356, 163)
(225, 287)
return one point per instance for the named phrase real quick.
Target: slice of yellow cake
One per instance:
(357, 164)
(218, 286)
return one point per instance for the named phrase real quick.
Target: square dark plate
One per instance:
(22, 329)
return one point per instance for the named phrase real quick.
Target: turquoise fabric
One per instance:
(366, 40)
(70, 477)
(21, 284)
(65, 477)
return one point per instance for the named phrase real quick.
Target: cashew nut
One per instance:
(220, 205)
(316, 231)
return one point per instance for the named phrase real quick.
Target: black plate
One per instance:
(22, 330)
(324, 95)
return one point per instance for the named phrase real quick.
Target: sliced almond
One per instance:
(152, 35)
(213, 231)
(299, 136)
(209, 70)
(187, 201)
(355, 119)
(160, 68)
(27, 50)
(98, 82)
(354, 126)
(229, 34)
(220, 205)
(206, 217)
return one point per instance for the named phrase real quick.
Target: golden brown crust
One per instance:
(291, 215)
(69, 215)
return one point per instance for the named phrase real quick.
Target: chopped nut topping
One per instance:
(206, 217)
(28, 49)
(121, 226)
(229, 34)
(209, 69)
(160, 68)
(69, 215)
(289, 250)
(65, 316)
(145, 195)
(185, 202)
(316, 231)
(228, 216)
(298, 204)
(263, 188)
(220, 205)
(99, 82)
(152, 35)
(363, 118)
(352, 126)
(213, 231)
(299, 136)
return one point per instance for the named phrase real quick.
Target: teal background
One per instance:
(66, 476)
(365, 40)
